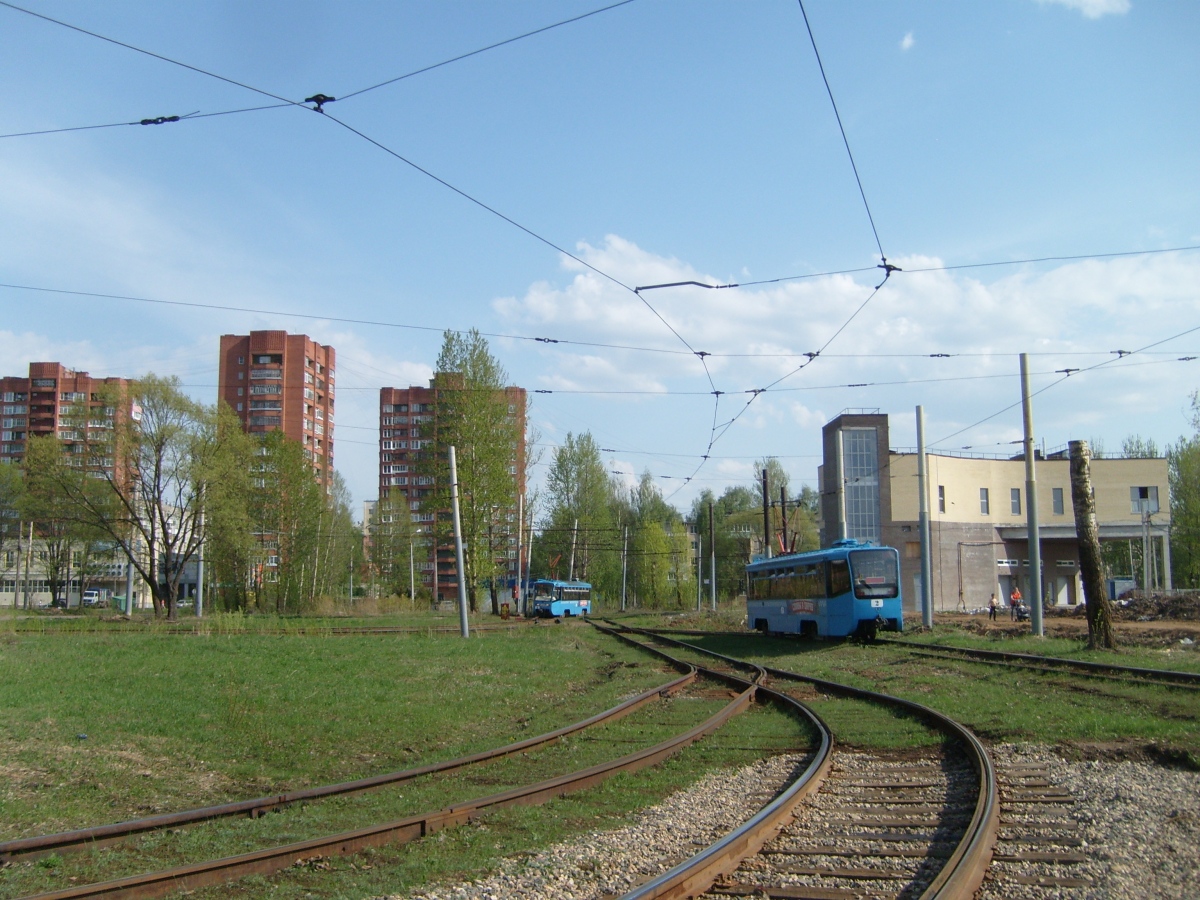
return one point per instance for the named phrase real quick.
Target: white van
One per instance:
(92, 598)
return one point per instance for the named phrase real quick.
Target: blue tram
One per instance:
(850, 588)
(552, 599)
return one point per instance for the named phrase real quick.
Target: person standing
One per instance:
(1015, 599)
(992, 607)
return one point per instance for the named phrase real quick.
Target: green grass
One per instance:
(1177, 657)
(997, 703)
(179, 721)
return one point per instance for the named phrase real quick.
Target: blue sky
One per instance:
(658, 141)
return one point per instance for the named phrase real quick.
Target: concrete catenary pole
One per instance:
(712, 555)
(766, 518)
(624, 562)
(923, 524)
(200, 570)
(519, 596)
(464, 627)
(699, 569)
(574, 535)
(1031, 504)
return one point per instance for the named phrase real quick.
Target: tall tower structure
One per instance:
(275, 381)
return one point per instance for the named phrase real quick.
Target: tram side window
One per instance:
(839, 578)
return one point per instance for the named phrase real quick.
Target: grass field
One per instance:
(101, 727)
(101, 723)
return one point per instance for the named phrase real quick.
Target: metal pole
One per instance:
(520, 594)
(17, 571)
(766, 518)
(840, 474)
(1146, 585)
(574, 534)
(458, 548)
(923, 525)
(200, 571)
(783, 516)
(699, 568)
(624, 562)
(712, 550)
(412, 573)
(1031, 504)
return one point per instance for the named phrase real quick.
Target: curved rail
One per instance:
(1050, 663)
(102, 835)
(964, 871)
(723, 857)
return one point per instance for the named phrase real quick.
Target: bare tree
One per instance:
(1083, 499)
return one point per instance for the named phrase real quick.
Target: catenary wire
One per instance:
(842, 129)
(494, 46)
(1119, 355)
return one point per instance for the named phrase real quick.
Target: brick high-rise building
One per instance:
(277, 381)
(38, 403)
(407, 425)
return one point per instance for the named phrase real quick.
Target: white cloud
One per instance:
(1094, 9)
(907, 41)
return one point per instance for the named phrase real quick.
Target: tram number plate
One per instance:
(876, 603)
(803, 606)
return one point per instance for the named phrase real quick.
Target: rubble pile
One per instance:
(1138, 606)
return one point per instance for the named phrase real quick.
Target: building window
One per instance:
(1057, 494)
(941, 498)
(241, 375)
(239, 409)
(1143, 499)
(985, 505)
(860, 448)
(1014, 500)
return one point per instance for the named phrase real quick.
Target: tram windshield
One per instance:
(875, 573)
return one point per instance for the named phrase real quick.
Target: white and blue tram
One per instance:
(849, 588)
(552, 599)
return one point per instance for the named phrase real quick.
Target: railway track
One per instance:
(1034, 662)
(266, 861)
(900, 825)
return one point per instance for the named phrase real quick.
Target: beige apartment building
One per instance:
(978, 514)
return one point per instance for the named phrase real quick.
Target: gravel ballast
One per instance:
(1141, 824)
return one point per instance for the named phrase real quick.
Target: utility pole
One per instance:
(766, 518)
(923, 525)
(699, 568)
(519, 595)
(574, 535)
(412, 574)
(712, 550)
(624, 563)
(783, 516)
(17, 572)
(200, 570)
(1031, 511)
(458, 548)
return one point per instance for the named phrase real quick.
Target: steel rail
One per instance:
(721, 858)
(268, 861)
(1189, 679)
(963, 873)
(103, 835)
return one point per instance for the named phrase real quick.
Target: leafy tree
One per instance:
(140, 480)
(475, 414)
(580, 521)
(58, 528)
(1136, 447)
(394, 545)
(12, 488)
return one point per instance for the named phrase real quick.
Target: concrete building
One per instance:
(977, 512)
(275, 381)
(39, 404)
(406, 426)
